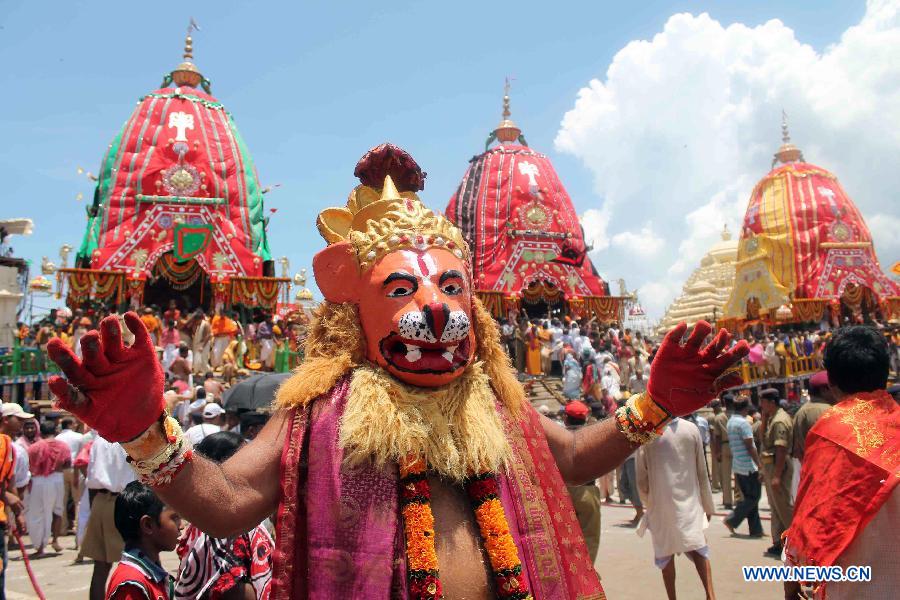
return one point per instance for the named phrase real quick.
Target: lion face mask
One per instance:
(415, 308)
(405, 268)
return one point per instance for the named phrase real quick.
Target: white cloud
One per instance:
(595, 224)
(654, 296)
(683, 125)
(645, 243)
(886, 228)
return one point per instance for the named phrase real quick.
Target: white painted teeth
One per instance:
(413, 353)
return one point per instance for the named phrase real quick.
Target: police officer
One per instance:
(586, 497)
(777, 441)
(722, 451)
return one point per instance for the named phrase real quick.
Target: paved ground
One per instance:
(625, 562)
(625, 565)
(59, 577)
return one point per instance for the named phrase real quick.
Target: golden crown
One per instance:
(377, 222)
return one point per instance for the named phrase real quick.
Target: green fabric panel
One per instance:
(112, 164)
(106, 178)
(255, 206)
(92, 232)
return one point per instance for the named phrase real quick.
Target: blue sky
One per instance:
(313, 85)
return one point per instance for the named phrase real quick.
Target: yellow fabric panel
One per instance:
(777, 237)
(770, 269)
(762, 285)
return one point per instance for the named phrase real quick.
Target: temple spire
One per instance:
(187, 74)
(785, 136)
(507, 131)
(788, 152)
(189, 44)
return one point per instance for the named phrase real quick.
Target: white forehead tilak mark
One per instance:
(422, 266)
(430, 265)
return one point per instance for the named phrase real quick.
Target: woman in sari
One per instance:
(572, 375)
(533, 352)
(545, 336)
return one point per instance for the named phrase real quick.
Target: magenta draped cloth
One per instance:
(338, 529)
(46, 457)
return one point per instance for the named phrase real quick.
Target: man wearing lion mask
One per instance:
(403, 460)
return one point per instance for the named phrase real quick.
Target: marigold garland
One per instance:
(484, 493)
(422, 564)
(418, 525)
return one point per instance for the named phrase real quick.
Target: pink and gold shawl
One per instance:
(338, 534)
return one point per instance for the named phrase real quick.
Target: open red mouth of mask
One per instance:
(415, 356)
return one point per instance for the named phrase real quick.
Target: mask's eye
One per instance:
(398, 285)
(400, 291)
(452, 289)
(451, 283)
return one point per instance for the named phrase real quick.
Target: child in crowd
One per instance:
(222, 568)
(148, 527)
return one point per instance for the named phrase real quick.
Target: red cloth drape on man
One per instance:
(850, 468)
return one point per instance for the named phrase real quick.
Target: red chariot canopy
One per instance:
(521, 226)
(177, 179)
(803, 240)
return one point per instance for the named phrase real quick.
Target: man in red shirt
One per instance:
(47, 459)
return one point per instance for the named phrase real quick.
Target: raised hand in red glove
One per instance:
(115, 389)
(684, 378)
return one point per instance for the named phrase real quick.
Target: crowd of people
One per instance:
(62, 480)
(59, 480)
(772, 349)
(190, 343)
(745, 442)
(596, 362)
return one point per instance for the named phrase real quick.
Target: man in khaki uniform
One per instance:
(715, 475)
(806, 416)
(585, 497)
(722, 452)
(777, 441)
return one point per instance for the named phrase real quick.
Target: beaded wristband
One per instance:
(640, 419)
(158, 454)
(154, 440)
(167, 472)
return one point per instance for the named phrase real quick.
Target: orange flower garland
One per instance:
(418, 526)
(484, 493)
(421, 556)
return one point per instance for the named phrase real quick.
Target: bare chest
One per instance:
(463, 564)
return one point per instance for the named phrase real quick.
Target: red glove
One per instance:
(684, 378)
(116, 390)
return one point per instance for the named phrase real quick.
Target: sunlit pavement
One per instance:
(59, 577)
(625, 562)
